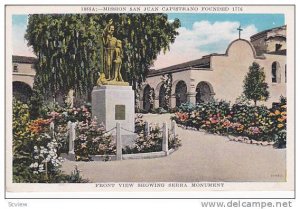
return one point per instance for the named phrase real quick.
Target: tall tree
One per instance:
(69, 47)
(255, 87)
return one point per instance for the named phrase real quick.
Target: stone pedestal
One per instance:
(112, 104)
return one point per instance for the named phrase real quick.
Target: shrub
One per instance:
(138, 110)
(174, 141)
(280, 139)
(22, 143)
(46, 161)
(159, 110)
(39, 125)
(152, 142)
(186, 107)
(278, 117)
(209, 116)
(256, 122)
(75, 177)
(91, 139)
(49, 107)
(36, 150)
(143, 144)
(139, 123)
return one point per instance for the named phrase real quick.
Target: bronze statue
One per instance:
(112, 58)
(118, 62)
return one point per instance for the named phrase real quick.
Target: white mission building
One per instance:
(221, 76)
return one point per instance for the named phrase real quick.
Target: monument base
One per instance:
(102, 81)
(112, 104)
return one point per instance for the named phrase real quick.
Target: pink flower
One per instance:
(214, 120)
(84, 109)
(254, 130)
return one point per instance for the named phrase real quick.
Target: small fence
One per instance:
(71, 127)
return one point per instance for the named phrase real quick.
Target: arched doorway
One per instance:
(147, 106)
(22, 91)
(181, 93)
(204, 92)
(162, 97)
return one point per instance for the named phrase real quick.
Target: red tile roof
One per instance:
(23, 59)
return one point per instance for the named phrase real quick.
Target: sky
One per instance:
(199, 34)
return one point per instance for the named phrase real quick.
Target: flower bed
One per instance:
(151, 142)
(36, 149)
(91, 138)
(256, 122)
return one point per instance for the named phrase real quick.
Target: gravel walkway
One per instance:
(202, 157)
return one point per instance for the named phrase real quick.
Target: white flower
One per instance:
(48, 136)
(35, 165)
(36, 157)
(41, 170)
(35, 172)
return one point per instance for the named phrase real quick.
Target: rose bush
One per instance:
(255, 122)
(91, 139)
(151, 142)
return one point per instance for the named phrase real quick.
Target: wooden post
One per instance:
(147, 130)
(69, 125)
(118, 142)
(72, 136)
(173, 127)
(165, 146)
(46, 171)
(52, 129)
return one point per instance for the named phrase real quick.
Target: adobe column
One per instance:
(191, 97)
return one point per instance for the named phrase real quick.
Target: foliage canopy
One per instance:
(69, 47)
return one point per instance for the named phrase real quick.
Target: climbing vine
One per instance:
(167, 85)
(151, 98)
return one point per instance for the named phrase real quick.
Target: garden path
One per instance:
(202, 157)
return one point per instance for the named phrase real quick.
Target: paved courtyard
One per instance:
(202, 157)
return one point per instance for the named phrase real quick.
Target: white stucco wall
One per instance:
(25, 73)
(231, 70)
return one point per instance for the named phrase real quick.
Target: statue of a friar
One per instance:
(112, 58)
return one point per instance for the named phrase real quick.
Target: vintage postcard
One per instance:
(190, 99)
